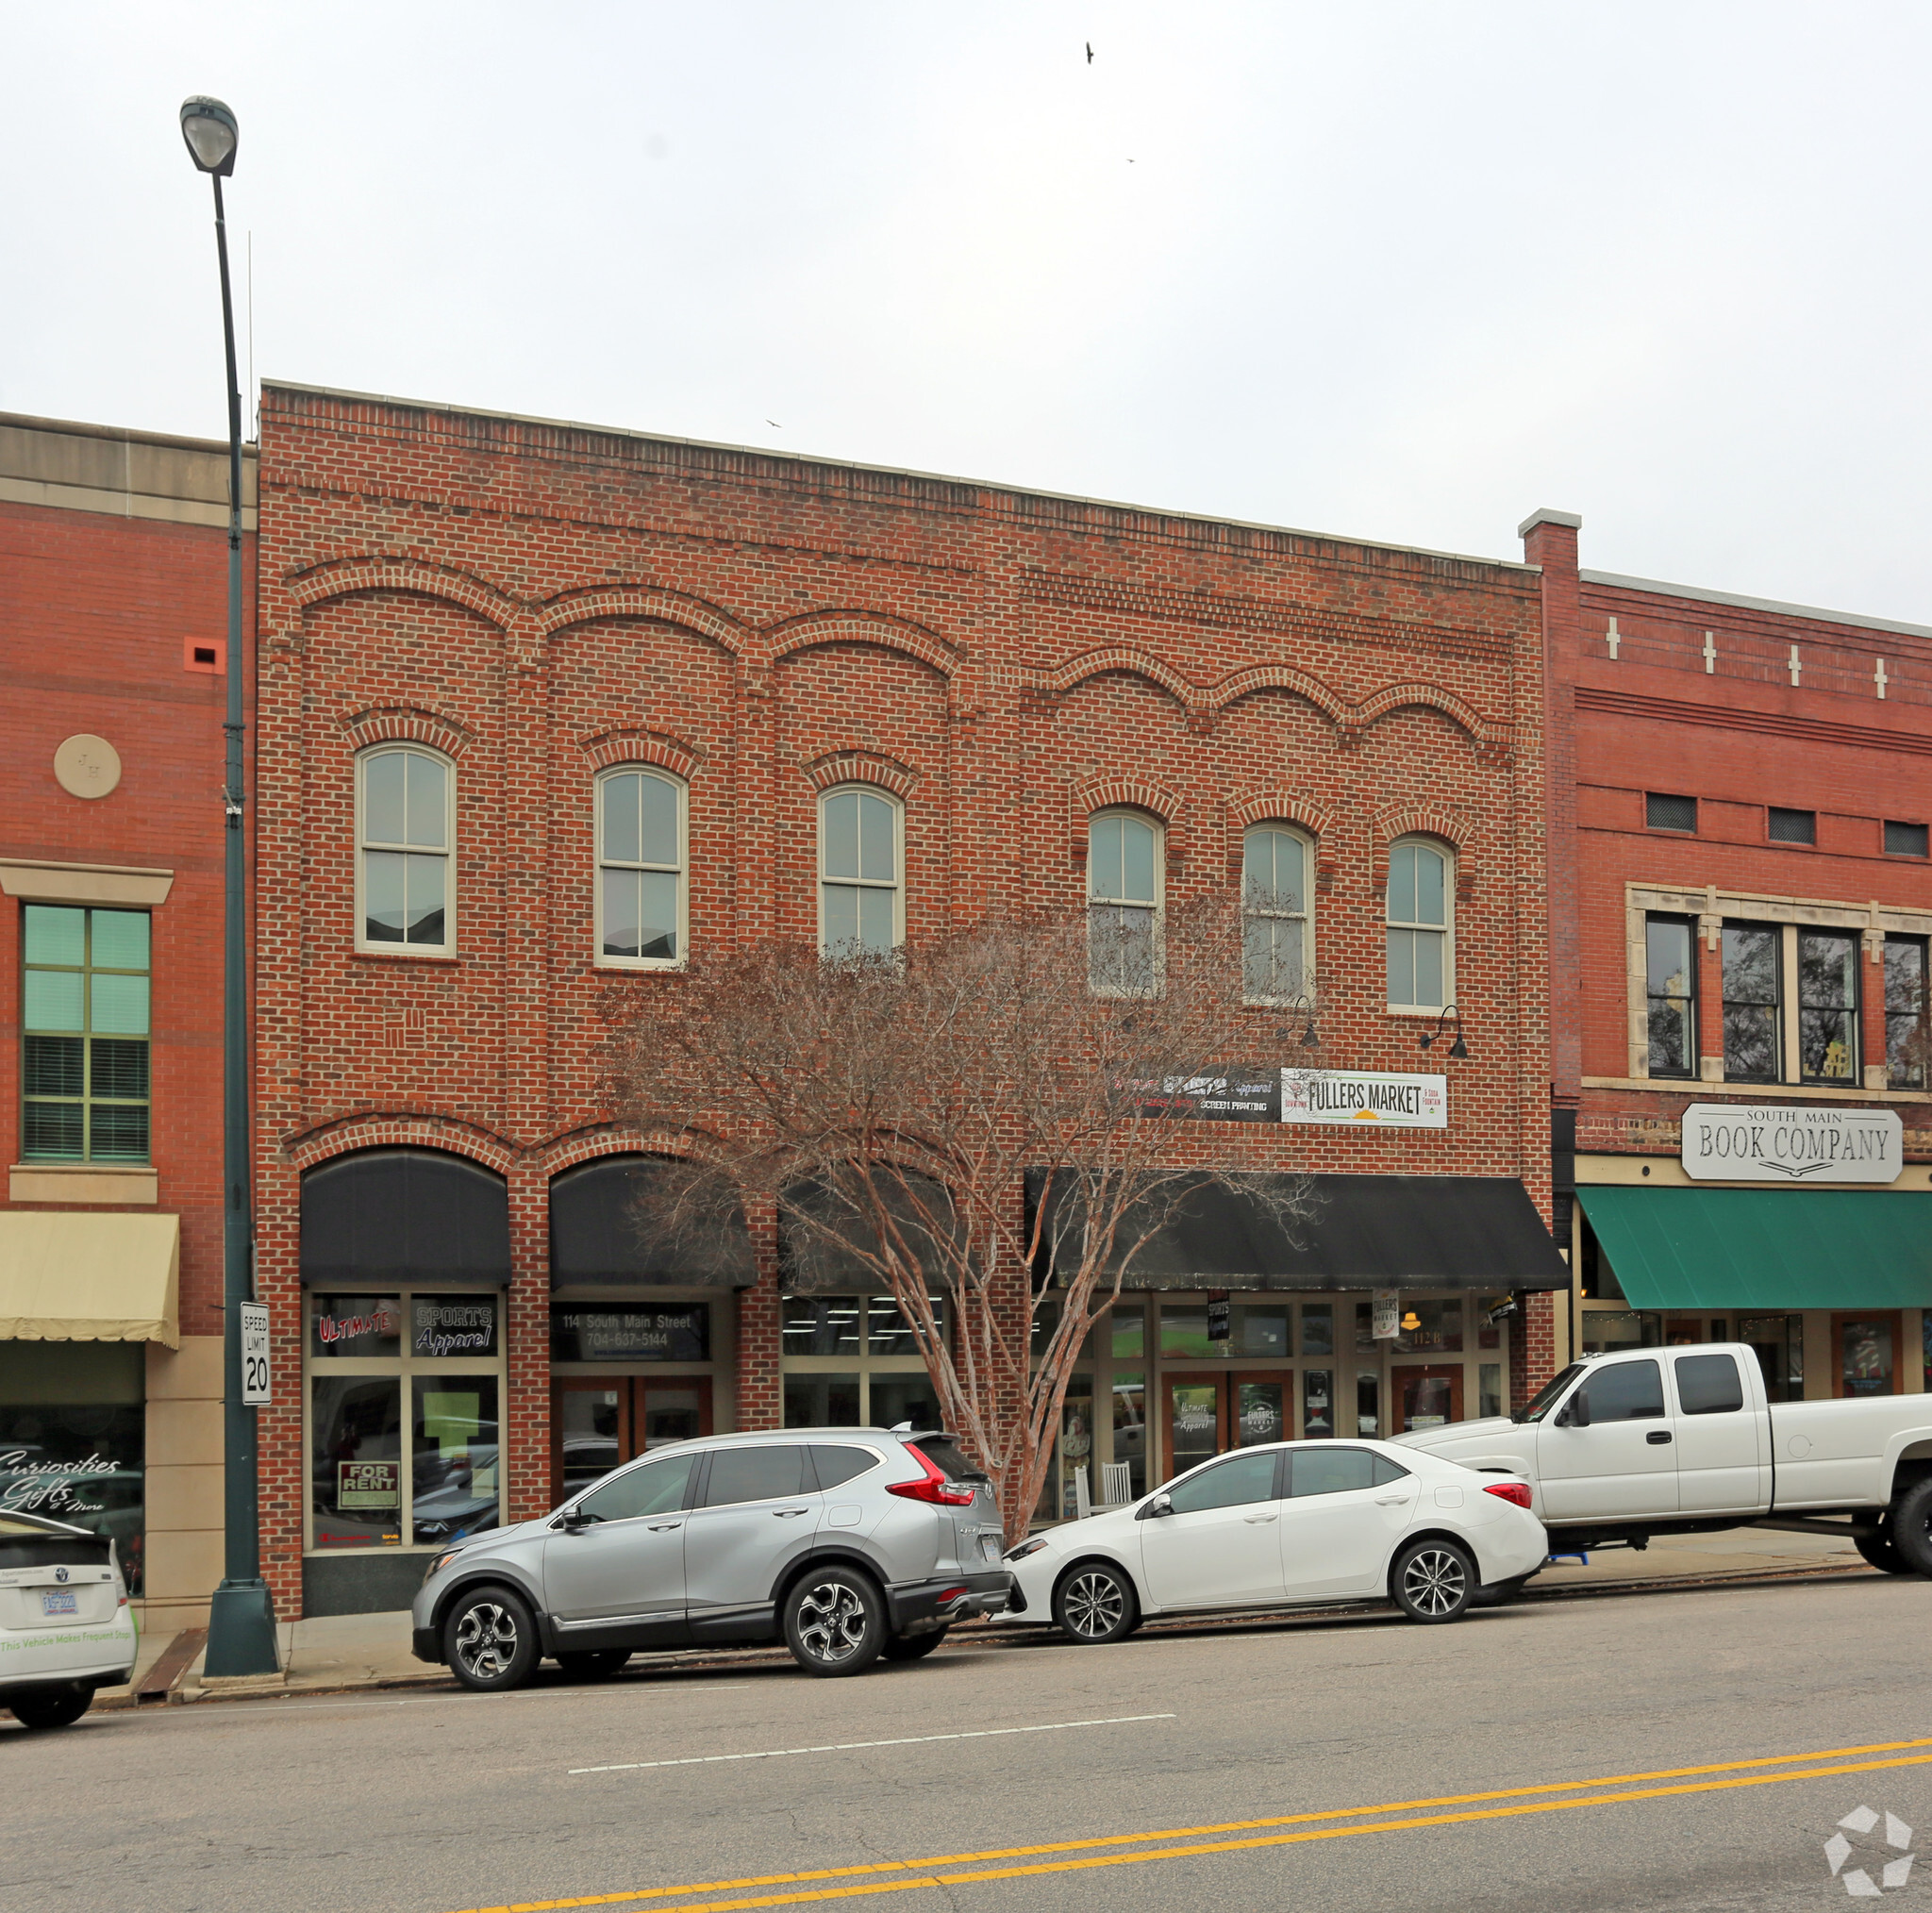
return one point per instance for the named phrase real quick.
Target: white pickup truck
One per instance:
(1620, 1447)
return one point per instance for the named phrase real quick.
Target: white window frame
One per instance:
(1158, 826)
(1305, 916)
(1446, 928)
(681, 870)
(448, 852)
(897, 885)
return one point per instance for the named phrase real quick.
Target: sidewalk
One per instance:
(354, 1652)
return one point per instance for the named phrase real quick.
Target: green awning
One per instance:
(1772, 1249)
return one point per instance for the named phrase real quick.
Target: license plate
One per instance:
(990, 1547)
(59, 1602)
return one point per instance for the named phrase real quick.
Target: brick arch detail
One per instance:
(632, 744)
(1422, 820)
(1126, 660)
(550, 1159)
(375, 572)
(1301, 683)
(1126, 793)
(1495, 742)
(408, 724)
(569, 608)
(862, 767)
(400, 1130)
(817, 628)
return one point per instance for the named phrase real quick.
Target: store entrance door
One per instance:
(1426, 1398)
(599, 1423)
(1196, 1421)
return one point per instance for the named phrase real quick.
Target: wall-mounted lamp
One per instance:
(1311, 1037)
(1410, 1323)
(1459, 1048)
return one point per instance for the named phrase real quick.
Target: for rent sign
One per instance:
(1752, 1142)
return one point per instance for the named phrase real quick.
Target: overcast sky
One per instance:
(1401, 272)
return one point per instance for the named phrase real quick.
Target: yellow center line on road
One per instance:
(910, 1874)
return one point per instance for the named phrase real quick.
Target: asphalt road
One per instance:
(1677, 1750)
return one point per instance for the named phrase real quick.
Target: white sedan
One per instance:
(1320, 1522)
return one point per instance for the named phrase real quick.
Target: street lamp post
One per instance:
(241, 1621)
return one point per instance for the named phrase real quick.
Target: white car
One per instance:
(65, 1624)
(1315, 1523)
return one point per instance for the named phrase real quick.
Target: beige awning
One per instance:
(68, 1276)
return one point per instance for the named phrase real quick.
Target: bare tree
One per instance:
(891, 1105)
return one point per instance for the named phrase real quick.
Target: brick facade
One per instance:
(540, 600)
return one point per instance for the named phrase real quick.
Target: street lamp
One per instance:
(241, 1620)
(1459, 1048)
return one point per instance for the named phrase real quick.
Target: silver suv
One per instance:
(845, 1543)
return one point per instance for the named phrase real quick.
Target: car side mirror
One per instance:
(1154, 1508)
(1576, 1410)
(575, 1519)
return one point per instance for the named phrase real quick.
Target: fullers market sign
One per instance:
(1268, 1095)
(1752, 1142)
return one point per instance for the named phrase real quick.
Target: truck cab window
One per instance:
(1708, 1385)
(1548, 1395)
(1629, 1391)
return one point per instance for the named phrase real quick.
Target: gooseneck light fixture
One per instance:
(241, 1621)
(1459, 1048)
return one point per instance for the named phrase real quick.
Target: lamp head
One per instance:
(1311, 1038)
(211, 135)
(1411, 1322)
(1459, 1048)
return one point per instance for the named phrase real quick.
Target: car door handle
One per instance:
(1657, 1437)
(786, 1513)
(1390, 1500)
(1254, 1518)
(663, 1528)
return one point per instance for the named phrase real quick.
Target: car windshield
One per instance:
(1540, 1403)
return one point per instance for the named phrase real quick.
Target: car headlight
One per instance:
(439, 1562)
(1025, 1548)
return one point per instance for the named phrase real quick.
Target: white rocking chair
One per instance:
(1083, 1500)
(1116, 1483)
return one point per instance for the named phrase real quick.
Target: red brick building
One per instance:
(543, 704)
(113, 622)
(1741, 899)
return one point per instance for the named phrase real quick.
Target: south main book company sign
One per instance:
(1752, 1142)
(1360, 1097)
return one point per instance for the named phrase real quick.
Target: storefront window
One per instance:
(1317, 1328)
(1439, 1328)
(1129, 1336)
(822, 1401)
(1261, 1329)
(1262, 1410)
(1489, 1387)
(1778, 1343)
(853, 1361)
(1865, 1345)
(1130, 1426)
(404, 1401)
(1317, 1401)
(1606, 1330)
(72, 1430)
(1184, 1332)
(1368, 1401)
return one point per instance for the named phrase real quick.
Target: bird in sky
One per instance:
(1090, 53)
(774, 424)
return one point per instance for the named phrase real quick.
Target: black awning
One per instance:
(597, 1239)
(384, 1217)
(811, 1262)
(1361, 1232)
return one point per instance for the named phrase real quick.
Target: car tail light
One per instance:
(933, 1485)
(1515, 1492)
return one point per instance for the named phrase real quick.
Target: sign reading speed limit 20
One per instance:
(255, 1389)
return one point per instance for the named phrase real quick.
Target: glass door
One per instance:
(1262, 1406)
(672, 1412)
(1427, 1398)
(1196, 1421)
(1866, 1347)
(600, 1422)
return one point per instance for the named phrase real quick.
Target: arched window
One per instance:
(1277, 931)
(406, 836)
(641, 857)
(861, 900)
(1420, 951)
(1123, 886)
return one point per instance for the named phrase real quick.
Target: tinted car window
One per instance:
(1631, 1391)
(1332, 1471)
(761, 1474)
(657, 1488)
(1386, 1470)
(947, 1460)
(1228, 1483)
(1708, 1385)
(839, 1465)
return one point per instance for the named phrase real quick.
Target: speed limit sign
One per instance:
(255, 1390)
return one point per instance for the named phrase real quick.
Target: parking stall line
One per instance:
(858, 1746)
(910, 1874)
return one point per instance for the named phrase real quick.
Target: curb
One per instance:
(1008, 1636)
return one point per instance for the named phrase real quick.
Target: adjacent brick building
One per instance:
(542, 703)
(1741, 899)
(113, 631)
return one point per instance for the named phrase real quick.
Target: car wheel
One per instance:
(915, 1646)
(1910, 1527)
(490, 1639)
(1433, 1580)
(1095, 1603)
(835, 1622)
(596, 1665)
(52, 1706)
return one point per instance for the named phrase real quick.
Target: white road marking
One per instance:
(532, 1694)
(858, 1746)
